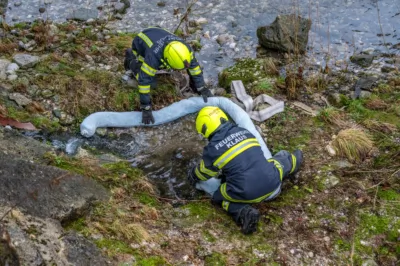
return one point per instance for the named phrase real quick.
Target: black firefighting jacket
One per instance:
(236, 154)
(149, 47)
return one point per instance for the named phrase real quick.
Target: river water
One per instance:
(339, 29)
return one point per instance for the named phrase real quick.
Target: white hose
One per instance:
(171, 113)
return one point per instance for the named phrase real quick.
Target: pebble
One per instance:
(12, 77)
(17, 3)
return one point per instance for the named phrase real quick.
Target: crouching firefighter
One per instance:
(154, 49)
(246, 176)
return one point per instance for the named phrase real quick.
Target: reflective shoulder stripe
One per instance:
(195, 71)
(278, 166)
(225, 205)
(199, 175)
(205, 170)
(191, 56)
(148, 69)
(227, 197)
(294, 161)
(145, 39)
(144, 88)
(235, 151)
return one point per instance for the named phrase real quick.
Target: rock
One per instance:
(330, 181)
(330, 150)
(42, 241)
(281, 34)
(361, 95)
(66, 119)
(12, 77)
(26, 60)
(53, 30)
(224, 38)
(120, 8)
(20, 99)
(369, 262)
(57, 113)
(364, 60)
(366, 83)
(342, 164)
(3, 68)
(201, 21)
(46, 93)
(12, 68)
(83, 14)
(18, 3)
(45, 191)
(388, 69)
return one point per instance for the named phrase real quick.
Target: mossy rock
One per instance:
(247, 70)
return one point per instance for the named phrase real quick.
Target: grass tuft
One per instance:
(353, 143)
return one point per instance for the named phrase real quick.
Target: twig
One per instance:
(352, 249)
(184, 16)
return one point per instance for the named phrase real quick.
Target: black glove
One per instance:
(192, 179)
(147, 115)
(205, 93)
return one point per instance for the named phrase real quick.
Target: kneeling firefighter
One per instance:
(154, 49)
(246, 176)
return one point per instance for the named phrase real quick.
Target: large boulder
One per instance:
(46, 191)
(288, 33)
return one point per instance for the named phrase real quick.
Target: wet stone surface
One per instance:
(338, 28)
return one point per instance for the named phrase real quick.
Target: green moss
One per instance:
(147, 199)
(215, 259)
(152, 261)
(201, 211)
(247, 70)
(388, 194)
(46, 123)
(208, 237)
(289, 197)
(114, 247)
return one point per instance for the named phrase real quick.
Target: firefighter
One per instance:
(154, 49)
(246, 176)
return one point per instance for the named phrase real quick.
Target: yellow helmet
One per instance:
(209, 119)
(177, 55)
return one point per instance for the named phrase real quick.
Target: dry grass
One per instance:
(334, 116)
(7, 48)
(353, 143)
(376, 104)
(386, 128)
(270, 66)
(132, 231)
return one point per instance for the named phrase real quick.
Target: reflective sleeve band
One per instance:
(148, 69)
(134, 52)
(141, 58)
(209, 172)
(145, 39)
(278, 166)
(227, 197)
(294, 161)
(225, 205)
(195, 71)
(144, 88)
(235, 151)
(199, 175)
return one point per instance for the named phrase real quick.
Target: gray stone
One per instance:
(120, 7)
(3, 68)
(369, 262)
(388, 69)
(20, 99)
(288, 33)
(12, 68)
(57, 113)
(83, 14)
(18, 3)
(364, 60)
(66, 119)
(12, 77)
(45, 191)
(26, 60)
(47, 93)
(330, 181)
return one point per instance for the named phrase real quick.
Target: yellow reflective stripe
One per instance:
(148, 69)
(145, 39)
(225, 205)
(141, 58)
(191, 56)
(278, 166)
(205, 170)
(226, 196)
(235, 151)
(195, 71)
(294, 161)
(144, 88)
(137, 76)
(199, 175)
(134, 52)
